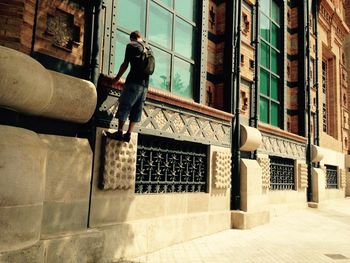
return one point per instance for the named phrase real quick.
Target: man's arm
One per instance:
(122, 69)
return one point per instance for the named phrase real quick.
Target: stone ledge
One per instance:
(26, 86)
(248, 220)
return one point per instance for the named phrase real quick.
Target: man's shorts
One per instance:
(131, 102)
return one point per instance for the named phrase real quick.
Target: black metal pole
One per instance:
(34, 27)
(95, 71)
(309, 142)
(317, 119)
(257, 63)
(96, 40)
(237, 136)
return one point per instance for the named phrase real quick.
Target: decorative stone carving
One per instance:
(61, 27)
(281, 147)
(161, 120)
(265, 170)
(342, 178)
(302, 175)
(119, 165)
(222, 169)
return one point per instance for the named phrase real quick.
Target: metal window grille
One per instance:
(170, 166)
(281, 173)
(332, 176)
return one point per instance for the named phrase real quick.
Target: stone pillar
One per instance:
(22, 170)
(253, 202)
(318, 185)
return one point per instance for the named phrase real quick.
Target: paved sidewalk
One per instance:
(306, 235)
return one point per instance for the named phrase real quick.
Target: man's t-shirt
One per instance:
(133, 52)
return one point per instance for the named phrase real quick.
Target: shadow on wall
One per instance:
(112, 201)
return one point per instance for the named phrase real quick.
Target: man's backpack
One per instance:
(147, 62)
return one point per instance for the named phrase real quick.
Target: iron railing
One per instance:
(331, 177)
(281, 173)
(170, 166)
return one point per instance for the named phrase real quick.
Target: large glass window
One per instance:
(169, 26)
(271, 62)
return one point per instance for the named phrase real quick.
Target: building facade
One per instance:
(243, 121)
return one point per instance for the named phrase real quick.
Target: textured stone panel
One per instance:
(222, 169)
(119, 164)
(265, 168)
(302, 174)
(282, 147)
(342, 178)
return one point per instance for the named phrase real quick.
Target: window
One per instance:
(271, 62)
(169, 26)
(324, 92)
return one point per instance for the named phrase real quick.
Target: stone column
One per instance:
(22, 170)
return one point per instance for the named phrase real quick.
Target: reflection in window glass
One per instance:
(160, 25)
(265, 28)
(182, 78)
(186, 8)
(274, 62)
(275, 12)
(264, 110)
(168, 3)
(265, 6)
(133, 16)
(122, 41)
(264, 55)
(184, 34)
(274, 35)
(161, 76)
(274, 88)
(264, 82)
(274, 114)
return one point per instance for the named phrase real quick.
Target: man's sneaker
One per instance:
(126, 137)
(115, 136)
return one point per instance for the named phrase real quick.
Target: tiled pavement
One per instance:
(306, 235)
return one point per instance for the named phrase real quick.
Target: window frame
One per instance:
(280, 50)
(198, 62)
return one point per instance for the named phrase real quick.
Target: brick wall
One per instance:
(16, 28)
(12, 16)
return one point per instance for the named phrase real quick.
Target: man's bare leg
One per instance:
(120, 125)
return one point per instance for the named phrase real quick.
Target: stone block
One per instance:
(68, 168)
(197, 202)
(251, 186)
(20, 226)
(67, 191)
(347, 188)
(149, 206)
(22, 163)
(112, 210)
(75, 249)
(219, 222)
(64, 217)
(247, 220)
(125, 240)
(175, 204)
(30, 254)
(318, 185)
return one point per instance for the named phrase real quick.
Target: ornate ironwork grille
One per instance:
(170, 166)
(332, 176)
(281, 173)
